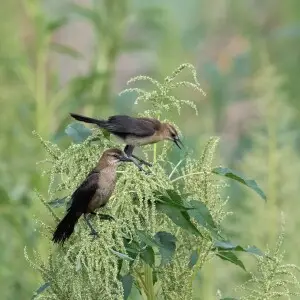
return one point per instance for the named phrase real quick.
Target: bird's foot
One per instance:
(143, 162)
(145, 171)
(94, 234)
(106, 217)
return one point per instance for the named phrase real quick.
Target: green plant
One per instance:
(273, 279)
(168, 224)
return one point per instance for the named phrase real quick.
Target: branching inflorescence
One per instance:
(88, 269)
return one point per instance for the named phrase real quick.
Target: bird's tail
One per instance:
(65, 227)
(100, 123)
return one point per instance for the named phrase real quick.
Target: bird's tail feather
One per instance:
(100, 123)
(65, 227)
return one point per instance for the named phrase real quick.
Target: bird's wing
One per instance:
(137, 126)
(84, 193)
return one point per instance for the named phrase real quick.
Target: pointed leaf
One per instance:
(147, 255)
(127, 281)
(240, 178)
(202, 215)
(57, 202)
(147, 239)
(121, 255)
(172, 198)
(63, 49)
(56, 24)
(83, 84)
(78, 132)
(180, 218)
(89, 14)
(227, 245)
(131, 246)
(231, 257)
(41, 289)
(167, 246)
(254, 250)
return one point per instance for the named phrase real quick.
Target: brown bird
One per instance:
(135, 131)
(93, 193)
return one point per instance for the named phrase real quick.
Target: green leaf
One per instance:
(88, 14)
(193, 259)
(147, 239)
(63, 49)
(127, 281)
(227, 245)
(121, 255)
(83, 84)
(229, 298)
(167, 246)
(41, 289)
(56, 24)
(147, 255)
(131, 246)
(240, 178)
(202, 215)
(78, 132)
(57, 202)
(171, 198)
(231, 257)
(180, 218)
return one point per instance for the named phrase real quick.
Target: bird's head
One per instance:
(170, 133)
(113, 157)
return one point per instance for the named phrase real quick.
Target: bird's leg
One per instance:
(93, 231)
(106, 217)
(141, 161)
(129, 150)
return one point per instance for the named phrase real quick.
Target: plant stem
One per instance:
(272, 173)
(147, 269)
(154, 153)
(149, 282)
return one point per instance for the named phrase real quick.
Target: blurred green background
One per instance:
(59, 56)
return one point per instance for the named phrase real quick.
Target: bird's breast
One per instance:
(106, 186)
(140, 141)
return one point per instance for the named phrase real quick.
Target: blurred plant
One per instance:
(273, 143)
(108, 19)
(273, 279)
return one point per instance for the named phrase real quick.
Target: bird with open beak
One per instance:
(135, 131)
(92, 193)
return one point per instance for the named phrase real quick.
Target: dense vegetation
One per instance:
(246, 57)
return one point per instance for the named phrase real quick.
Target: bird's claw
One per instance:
(146, 163)
(94, 234)
(106, 217)
(146, 172)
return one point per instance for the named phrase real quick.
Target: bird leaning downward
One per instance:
(95, 191)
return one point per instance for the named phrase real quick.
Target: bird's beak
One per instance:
(178, 142)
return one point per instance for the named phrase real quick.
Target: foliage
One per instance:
(165, 226)
(274, 279)
(224, 42)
